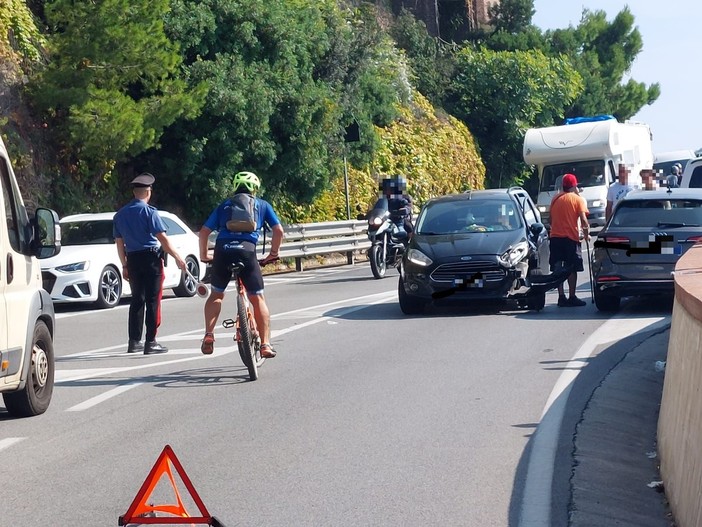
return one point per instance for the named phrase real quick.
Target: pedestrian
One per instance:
(239, 246)
(618, 190)
(648, 179)
(142, 242)
(673, 179)
(568, 217)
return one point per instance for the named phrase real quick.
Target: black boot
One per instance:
(153, 347)
(135, 346)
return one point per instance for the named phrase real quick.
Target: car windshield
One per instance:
(463, 216)
(665, 213)
(86, 232)
(588, 173)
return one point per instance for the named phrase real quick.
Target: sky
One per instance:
(671, 43)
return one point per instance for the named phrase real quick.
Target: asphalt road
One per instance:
(366, 417)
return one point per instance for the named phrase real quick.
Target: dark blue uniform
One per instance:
(138, 223)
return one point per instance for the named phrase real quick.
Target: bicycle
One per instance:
(247, 337)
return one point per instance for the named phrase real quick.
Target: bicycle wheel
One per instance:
(246, 342)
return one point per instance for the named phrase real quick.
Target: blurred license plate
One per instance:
(474, 281)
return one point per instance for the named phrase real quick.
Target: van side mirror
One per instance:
(46, 234)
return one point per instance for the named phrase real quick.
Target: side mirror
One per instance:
(536, 228)
(46, 234)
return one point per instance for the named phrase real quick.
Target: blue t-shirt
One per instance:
(138, 223)
(218, 222)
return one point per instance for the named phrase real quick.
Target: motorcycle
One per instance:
(387, 238)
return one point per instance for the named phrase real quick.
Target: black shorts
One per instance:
(228, 252)
(567, 251)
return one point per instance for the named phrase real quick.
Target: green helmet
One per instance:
(248, 179)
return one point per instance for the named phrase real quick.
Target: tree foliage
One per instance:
(603, 52)
(511, 16)
(499, 94)
(434, 151)
(112, 86)
(285, 80)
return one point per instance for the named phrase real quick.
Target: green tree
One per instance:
(511, 16)
(111, 87)
(431, 61)
(501, 94)
(285, 80)
(603, 53)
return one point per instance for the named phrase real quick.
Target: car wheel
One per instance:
(536, 301)
(35, 397)
(188, 286)
(605, 302)
(409, 304)
(109, 288)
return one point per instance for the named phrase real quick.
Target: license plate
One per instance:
(475, 281)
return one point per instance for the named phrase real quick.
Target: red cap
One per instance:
(569, 181)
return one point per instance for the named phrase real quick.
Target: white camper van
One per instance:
(26, 310)
(591, 149)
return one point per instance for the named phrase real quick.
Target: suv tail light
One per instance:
(617, 239)
(608, 278)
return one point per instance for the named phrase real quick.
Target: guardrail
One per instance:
(305, 240)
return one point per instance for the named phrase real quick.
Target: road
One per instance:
(366, 417)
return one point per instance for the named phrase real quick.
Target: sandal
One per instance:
(207, 346)
(267, 351)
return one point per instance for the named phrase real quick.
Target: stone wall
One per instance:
(680, 420)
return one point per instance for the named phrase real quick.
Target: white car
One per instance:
(88, 268)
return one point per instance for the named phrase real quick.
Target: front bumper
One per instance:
(477, 280)
(68, 287)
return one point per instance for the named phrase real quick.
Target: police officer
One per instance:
(138, 229)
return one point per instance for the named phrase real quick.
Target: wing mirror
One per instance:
(536, 228)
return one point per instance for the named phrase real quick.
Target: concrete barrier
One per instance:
(680, 419)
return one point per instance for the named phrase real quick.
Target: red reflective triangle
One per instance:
(140, 511)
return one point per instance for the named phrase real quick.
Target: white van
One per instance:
(26, 310)
(663, 161)
(692, 174)
(591, 149)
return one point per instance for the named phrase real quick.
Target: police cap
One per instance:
(143, 180)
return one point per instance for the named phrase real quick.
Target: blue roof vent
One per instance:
(576, 120)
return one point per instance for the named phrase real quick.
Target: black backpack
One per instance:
(243, 214)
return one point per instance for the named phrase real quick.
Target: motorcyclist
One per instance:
(394, 189)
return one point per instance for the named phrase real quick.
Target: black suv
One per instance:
(480, 245)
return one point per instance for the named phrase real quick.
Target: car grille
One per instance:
(448, 272)
(47, 281)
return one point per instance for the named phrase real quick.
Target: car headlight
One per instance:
(74, 267)
(418, 257)
(514, 255)
(542, 208)
(595, 203)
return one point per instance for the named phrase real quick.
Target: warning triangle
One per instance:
(141, 512)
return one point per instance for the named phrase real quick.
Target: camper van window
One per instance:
(589, 174)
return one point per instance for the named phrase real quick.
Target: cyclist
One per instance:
(239, 247)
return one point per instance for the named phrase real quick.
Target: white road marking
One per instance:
(103, 397)
(197, 333)
(536, 500)
(64, 376)
(9, 441)
(270, 280)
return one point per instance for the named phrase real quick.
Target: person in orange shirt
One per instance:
(568, 216)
